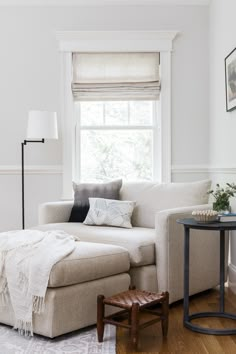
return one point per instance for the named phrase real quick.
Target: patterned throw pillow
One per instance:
(84, 191)
(109, 212)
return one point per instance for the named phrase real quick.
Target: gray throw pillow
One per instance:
(84, 191)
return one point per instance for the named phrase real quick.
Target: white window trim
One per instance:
(115, 41)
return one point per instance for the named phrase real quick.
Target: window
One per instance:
(114, 42)
(115, 139)
(115, 95)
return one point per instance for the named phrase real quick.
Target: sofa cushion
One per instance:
(89, 261)
(153, 197)
(140, 242)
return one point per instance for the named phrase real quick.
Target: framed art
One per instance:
(230, 80)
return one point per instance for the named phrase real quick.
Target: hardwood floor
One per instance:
(181, 340)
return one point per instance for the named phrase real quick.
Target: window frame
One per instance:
(153, 127)
(114, 41)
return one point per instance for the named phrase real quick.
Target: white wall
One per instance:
(29, 72)
(222, 124)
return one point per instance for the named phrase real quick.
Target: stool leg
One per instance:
(100, 317)
(129, 321)
(134, 324)
(165, 314)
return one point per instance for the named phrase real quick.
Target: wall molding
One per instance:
(115, 41)
(189, 169)
(31, 170)
(208, 169)
(101, 3)
(58, 169)
(222, 170)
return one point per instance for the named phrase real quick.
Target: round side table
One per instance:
(217, 226)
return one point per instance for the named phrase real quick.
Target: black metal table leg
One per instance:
(186, 273)
(222, 271)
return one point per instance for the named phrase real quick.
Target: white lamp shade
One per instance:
(42, 125)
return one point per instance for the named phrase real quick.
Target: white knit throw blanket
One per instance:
(26, 260)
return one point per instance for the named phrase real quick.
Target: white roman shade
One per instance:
(115, 76)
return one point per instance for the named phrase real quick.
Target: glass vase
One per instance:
(222, 208)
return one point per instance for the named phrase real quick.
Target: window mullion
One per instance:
(117, 127)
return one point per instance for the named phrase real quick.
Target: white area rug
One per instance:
(80, 342)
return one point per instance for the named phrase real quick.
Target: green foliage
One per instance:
(222, 196)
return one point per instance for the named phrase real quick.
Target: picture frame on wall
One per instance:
(230, 80)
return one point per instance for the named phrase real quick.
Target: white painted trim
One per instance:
(156, 151)
(67, 109)
(113, 41)
(189, 169)
(203, 169)
(117, 127)
(58, 169)
(31, 170)
(165, 114)
(222, 170)
(102, 3)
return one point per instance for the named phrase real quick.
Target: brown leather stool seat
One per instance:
(133, 302)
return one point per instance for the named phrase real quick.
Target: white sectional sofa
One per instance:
(150, 254)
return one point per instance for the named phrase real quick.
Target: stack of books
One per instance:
(227, 217)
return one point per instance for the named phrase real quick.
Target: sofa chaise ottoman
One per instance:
(74, 283)
(156, 242)
(150, 255)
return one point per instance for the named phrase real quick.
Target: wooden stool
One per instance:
(133, 302)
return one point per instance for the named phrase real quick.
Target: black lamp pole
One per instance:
(23, 176)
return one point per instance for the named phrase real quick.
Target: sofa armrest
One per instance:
(204, 254)
(55, 212)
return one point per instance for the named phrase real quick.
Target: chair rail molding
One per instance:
(113, 41)
(203, 169)
(189, 169)
(81, 3)
(223, 170)
(31, 170)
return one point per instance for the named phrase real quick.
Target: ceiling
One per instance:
(102, 2)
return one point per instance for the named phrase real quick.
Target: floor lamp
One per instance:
(41, 125)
